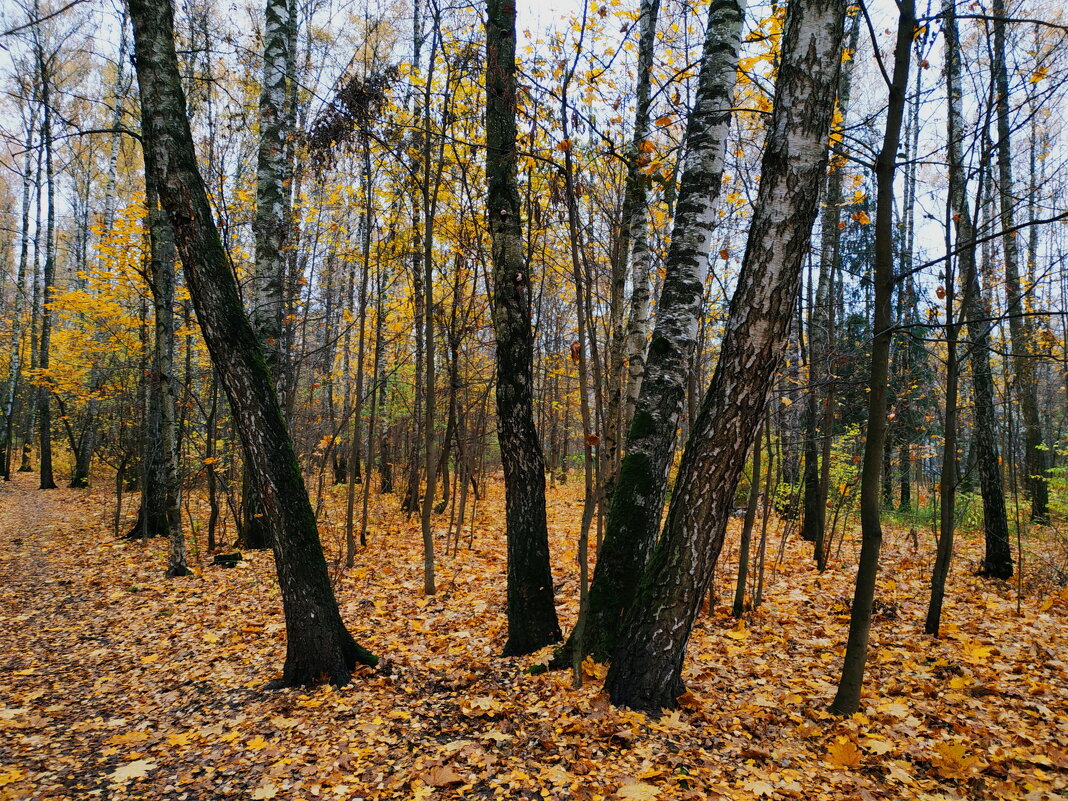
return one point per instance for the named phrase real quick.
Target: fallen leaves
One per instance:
(843, 753)
(138, 769)
(116, 692)
(638, 791)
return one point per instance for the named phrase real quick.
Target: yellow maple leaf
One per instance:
(257, 743)
(759, 788)
(843, 753)
(265, 791)
(951, 760)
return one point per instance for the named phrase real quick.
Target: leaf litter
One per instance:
(118, 683)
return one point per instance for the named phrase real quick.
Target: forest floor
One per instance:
(117, 683)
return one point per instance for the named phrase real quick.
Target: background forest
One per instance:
(665, 321)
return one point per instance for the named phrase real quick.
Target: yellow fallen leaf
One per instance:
(179, 739)
(759, 788)
(257, 743)
(127, 738)
(843, 753)
(137, 769)
(440, 776)
(877, 747)
(265, 791)
(951, 760)
(638, 791)
(10, 776)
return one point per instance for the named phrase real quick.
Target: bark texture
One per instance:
(272, 223)
(532, 621)
(646, 669)
(161, 274)
(319, 648)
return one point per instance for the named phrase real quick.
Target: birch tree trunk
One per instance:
(319, 647)
(15, 370)
(161, 278)
(628, 343)
(647, 665)
(532, 622)
(638, 498)
(271, 225)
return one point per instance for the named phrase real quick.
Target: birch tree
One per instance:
(641, 486)
(647, 665)
(319, 647)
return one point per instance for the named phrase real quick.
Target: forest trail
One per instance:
(118, 683)
(59, 648)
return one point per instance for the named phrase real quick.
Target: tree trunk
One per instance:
(271, 227)
(647, 665)
(532, 622)
(44, 397)
(161, 277)
(15, 359)
(638, 498)
(847, 698)
(1036, 452)
(319, 647)
(747, 531)
(632, 246)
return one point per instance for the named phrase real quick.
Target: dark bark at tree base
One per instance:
(157, 526)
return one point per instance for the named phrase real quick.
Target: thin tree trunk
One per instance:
(15, 361)
(161, 277)
(628, 343)
(44, 397)
(747, 531)
(847, 698)
(1036, 452)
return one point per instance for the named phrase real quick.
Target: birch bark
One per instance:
(647, 665)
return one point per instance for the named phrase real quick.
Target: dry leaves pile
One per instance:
(118, 683)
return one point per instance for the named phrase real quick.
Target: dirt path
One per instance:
(55, 643)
